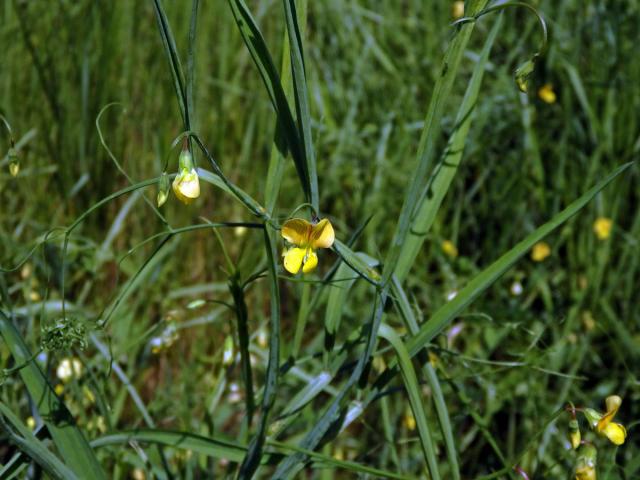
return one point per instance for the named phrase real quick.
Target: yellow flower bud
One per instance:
(163, 189)
(14, 163)
(540, 251)
(574, 434)
(186, 185)
(457, 9)
(449, 248)
(602, 227)
(586, 462)
(547, 94)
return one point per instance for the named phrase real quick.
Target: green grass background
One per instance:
(573, 334)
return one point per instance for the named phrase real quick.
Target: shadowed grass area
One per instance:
(481, 291)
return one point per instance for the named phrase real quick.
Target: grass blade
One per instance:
(71, 444)
(413, 390)
(34, 448)
(488, 276)
(254, 41)
(301, 98)
(251, 461)
(447, 168)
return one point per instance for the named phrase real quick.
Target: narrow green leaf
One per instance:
(254, 454)
(184, 440)
(173, 58)
(71, 444)
(301, 98)
(488, 276)
(413, 390)
(259, 51)
(446, 170)
(34, 448)
(356, 263)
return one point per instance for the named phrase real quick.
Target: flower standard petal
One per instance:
(310, 261)
(322, 235)
(296, 231)
(293, 259)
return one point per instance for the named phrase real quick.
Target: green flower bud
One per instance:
(523, 72)
(163, 189)
(14, 162)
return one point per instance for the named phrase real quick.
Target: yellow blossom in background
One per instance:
(69, 368)
(186, 185)
(449, 249)
(547, 94)
(306, 238)
(409, 421)
(59, 388)
(138, 474)
(613, 431)
(540, 251)
(457, 9)
(602, 227)
(31, 423)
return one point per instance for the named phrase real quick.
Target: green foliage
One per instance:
(194, 354)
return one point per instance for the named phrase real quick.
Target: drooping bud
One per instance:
(227, 353)
(574, 434)
(586, 462)
(163, 189)
(14, 162)
(186, 185)
(523, 72)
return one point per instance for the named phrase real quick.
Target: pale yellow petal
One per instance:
(310, 262)
(186, 186)
(296, 231)
(293, 259)
(613, 403)
(323, 234)
(615, 432)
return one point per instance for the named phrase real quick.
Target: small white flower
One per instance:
(516, 288)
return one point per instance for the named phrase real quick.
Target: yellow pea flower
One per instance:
(449, 248)
(546, 93)
(602, 227)
(186, 185)
(540, 251)
(613, 431)
(457, 9)
(306, 238)
(602, 423)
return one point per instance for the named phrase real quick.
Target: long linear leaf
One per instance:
(301, 96)
(254, 454)
(488, 276)
(70, 442)
(413, 390)
(34, 448)
(259, 51)
(447, 168)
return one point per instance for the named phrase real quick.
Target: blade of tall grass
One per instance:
(489, 275)
(169, 44)
(406, 312)
(251, 461)
(413, 390)
(429, 139)
(444, 173)
(301, 96)
(34, 448)
(262, 58)
(70, 442)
